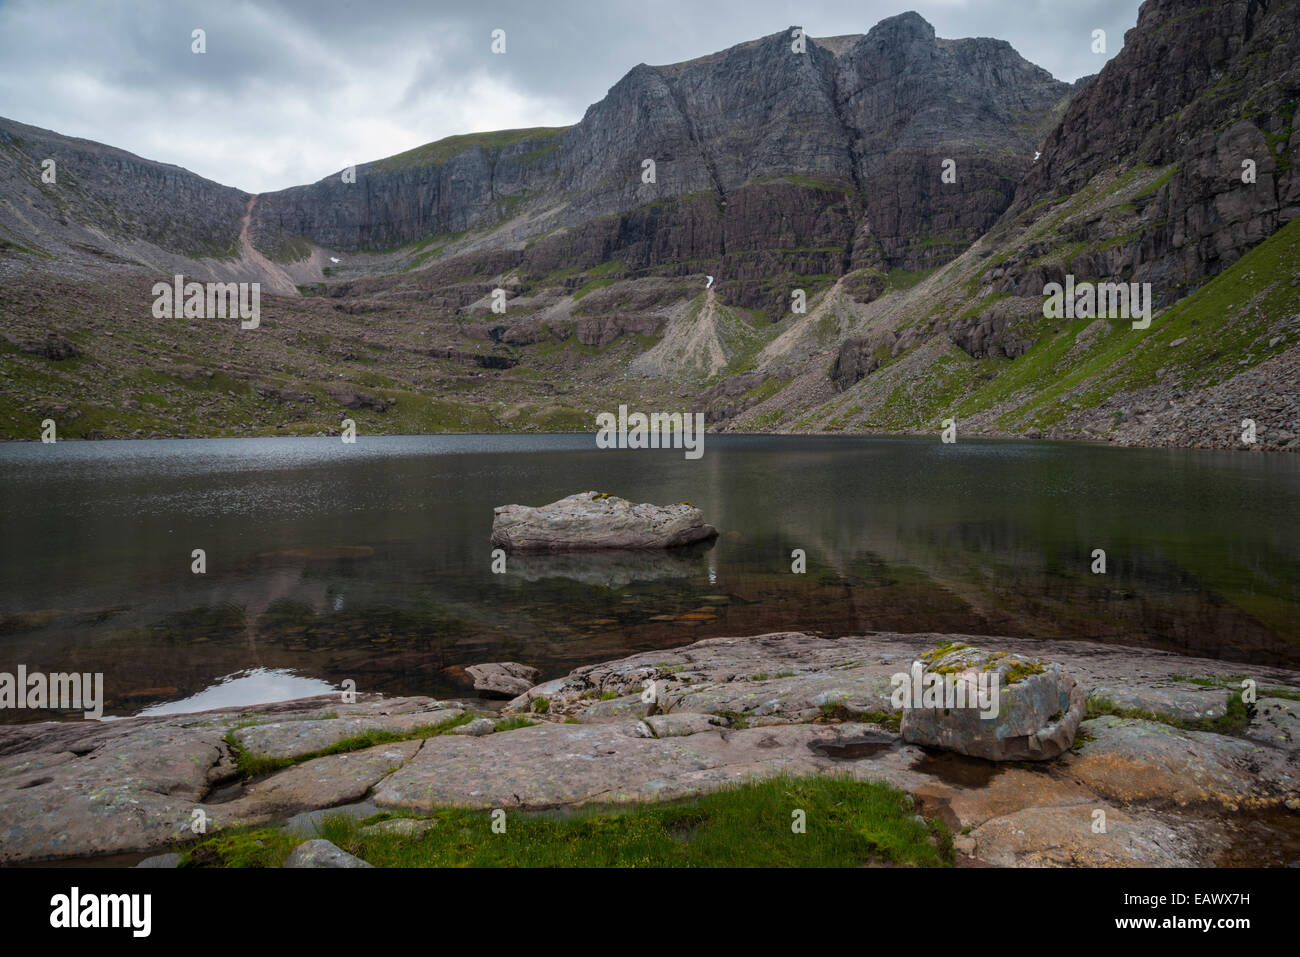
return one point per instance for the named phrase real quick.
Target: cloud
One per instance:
(290, 92)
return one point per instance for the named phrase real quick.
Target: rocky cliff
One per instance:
(767, 160)
(103, 201)
(1206, 92)
(775, 171)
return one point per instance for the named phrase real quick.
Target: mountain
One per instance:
(775, 172)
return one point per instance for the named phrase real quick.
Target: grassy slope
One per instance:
(1227, 325)
(452, 146)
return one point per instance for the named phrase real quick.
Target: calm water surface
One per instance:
(371, 561)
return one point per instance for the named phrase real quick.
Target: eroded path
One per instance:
(271, 273)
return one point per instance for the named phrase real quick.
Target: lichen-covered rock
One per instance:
(1036, 707)
(596, 520)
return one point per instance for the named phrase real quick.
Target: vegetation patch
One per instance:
(255, 765)
(849, 824)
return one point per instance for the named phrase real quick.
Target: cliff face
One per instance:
(446, 187)
(1201, 88)
(773, 166)
(830, 161)
(105, 198)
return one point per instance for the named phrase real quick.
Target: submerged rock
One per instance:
(1016, 708)
(596, 520)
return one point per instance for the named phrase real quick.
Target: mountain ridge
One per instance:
(776, 173)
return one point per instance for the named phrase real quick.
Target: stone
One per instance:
(503, 679)
(727, 710)
(1276, 721)
(321, 853)
(1180, 700)
(54, 347)
(476, 728)
(552, 764)
(1039, 707)
(407, 827)
(593, 520)
(161, 860)
(308, 823)
(680, 725)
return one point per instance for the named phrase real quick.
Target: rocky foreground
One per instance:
(720, 711)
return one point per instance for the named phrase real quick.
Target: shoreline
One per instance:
(1163, 751)
(982, 436)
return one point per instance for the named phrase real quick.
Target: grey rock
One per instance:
(1143, 762)
(321, 853)
(1180, 700)
(476, 728)
(161, 860)
(503, 679)
(590, 520)
(1276, 722)
(307, 823)
(407, 827)
(1037, 714)
(293, 739)
(680, 725)
(321, 782)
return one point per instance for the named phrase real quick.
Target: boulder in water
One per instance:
(597, 520)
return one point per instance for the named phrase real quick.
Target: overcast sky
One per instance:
(289, 92)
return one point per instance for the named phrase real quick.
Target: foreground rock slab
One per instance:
(592, 520)
(553, 764)
(680, 722)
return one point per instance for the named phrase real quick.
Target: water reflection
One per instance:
(372, 562)
(256, 686)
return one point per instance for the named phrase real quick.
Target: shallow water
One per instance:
(371, 561)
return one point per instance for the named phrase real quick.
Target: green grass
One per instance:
(452, 146)
(899, 279)
(1234, 684)
(593, 286)
(513, 724)
(1235, 719)
(848, 824)
(260, 847)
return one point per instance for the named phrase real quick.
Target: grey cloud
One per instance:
(296, 89)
